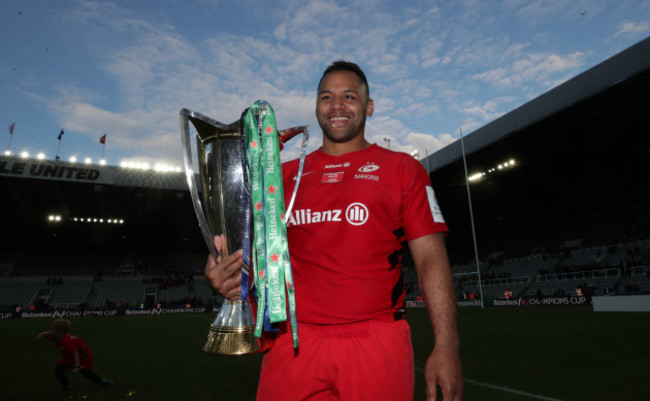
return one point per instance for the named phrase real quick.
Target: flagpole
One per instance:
(426, 159)
(471, 216)
(102, 140)
(11, 136)
(57, 158)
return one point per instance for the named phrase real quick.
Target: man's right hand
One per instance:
(224, 273)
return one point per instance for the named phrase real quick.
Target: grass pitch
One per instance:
(529, 353)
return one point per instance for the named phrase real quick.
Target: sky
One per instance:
(126, 68)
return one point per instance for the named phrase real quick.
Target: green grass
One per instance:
(565, 353)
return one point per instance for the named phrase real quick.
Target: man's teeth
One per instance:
(339, 119)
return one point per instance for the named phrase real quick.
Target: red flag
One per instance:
(11, 127)
(102, 140)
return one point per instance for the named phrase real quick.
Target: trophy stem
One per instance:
(233, 330)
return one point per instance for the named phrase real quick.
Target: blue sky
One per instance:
(125, 68)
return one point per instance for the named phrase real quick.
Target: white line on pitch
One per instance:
(506, 389)
(511, 390)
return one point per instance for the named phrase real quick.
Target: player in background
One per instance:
(77, 356)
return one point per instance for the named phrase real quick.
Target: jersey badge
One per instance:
(332, 178)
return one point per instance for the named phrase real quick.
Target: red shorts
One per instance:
(371, 360)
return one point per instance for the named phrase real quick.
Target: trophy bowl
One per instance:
(223, 209)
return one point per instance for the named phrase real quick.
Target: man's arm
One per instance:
(42, 334)
(437, 288)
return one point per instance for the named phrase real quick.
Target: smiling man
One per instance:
(357, 205)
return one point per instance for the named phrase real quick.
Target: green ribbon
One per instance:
(271, 263)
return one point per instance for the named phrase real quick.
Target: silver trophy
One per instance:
(225, 210)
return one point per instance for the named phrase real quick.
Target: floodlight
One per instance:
(24, 154)
(73, 159)
(87, 160)
(102, 162)
(475, 177)
(40, 156)
(7, 152)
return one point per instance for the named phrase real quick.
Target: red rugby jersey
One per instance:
(350, 218)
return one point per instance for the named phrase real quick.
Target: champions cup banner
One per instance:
(528, 301)
(68, 313)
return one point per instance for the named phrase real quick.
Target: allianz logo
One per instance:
(355, 214)
(346, 164)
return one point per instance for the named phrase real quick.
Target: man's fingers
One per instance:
(224, 273)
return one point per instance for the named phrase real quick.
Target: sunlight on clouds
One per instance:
(542, 65)
(403, 139)
(487, 111)
(632, 27)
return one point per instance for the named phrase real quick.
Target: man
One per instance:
(356, 204)
(76, 355)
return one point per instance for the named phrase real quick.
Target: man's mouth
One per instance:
(338, 121)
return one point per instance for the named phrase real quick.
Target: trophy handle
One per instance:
(190, 175)
(286, 135)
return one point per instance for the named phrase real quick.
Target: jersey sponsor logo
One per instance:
(364, 170)
(332, 178)
(368, 168)
(308, 216)
(433, 205)
(346, 164)
(370, 177)
(356, 214)
(295, 177)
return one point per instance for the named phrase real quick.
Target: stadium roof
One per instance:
(581, 166)
(630, 64)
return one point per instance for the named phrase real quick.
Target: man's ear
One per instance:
(370, 108)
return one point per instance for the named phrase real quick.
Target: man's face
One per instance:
(342, 106)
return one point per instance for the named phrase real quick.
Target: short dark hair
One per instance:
(342, 65)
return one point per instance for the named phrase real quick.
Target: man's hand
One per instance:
(224, 273)
(443, 370)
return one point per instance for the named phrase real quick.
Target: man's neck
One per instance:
(338, 149)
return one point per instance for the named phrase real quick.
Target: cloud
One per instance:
(385, 130)
(628, 27)
(431, 69)
(544, 69)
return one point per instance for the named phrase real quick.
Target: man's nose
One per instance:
(337, 102)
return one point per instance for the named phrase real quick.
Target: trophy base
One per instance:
(231, 340)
